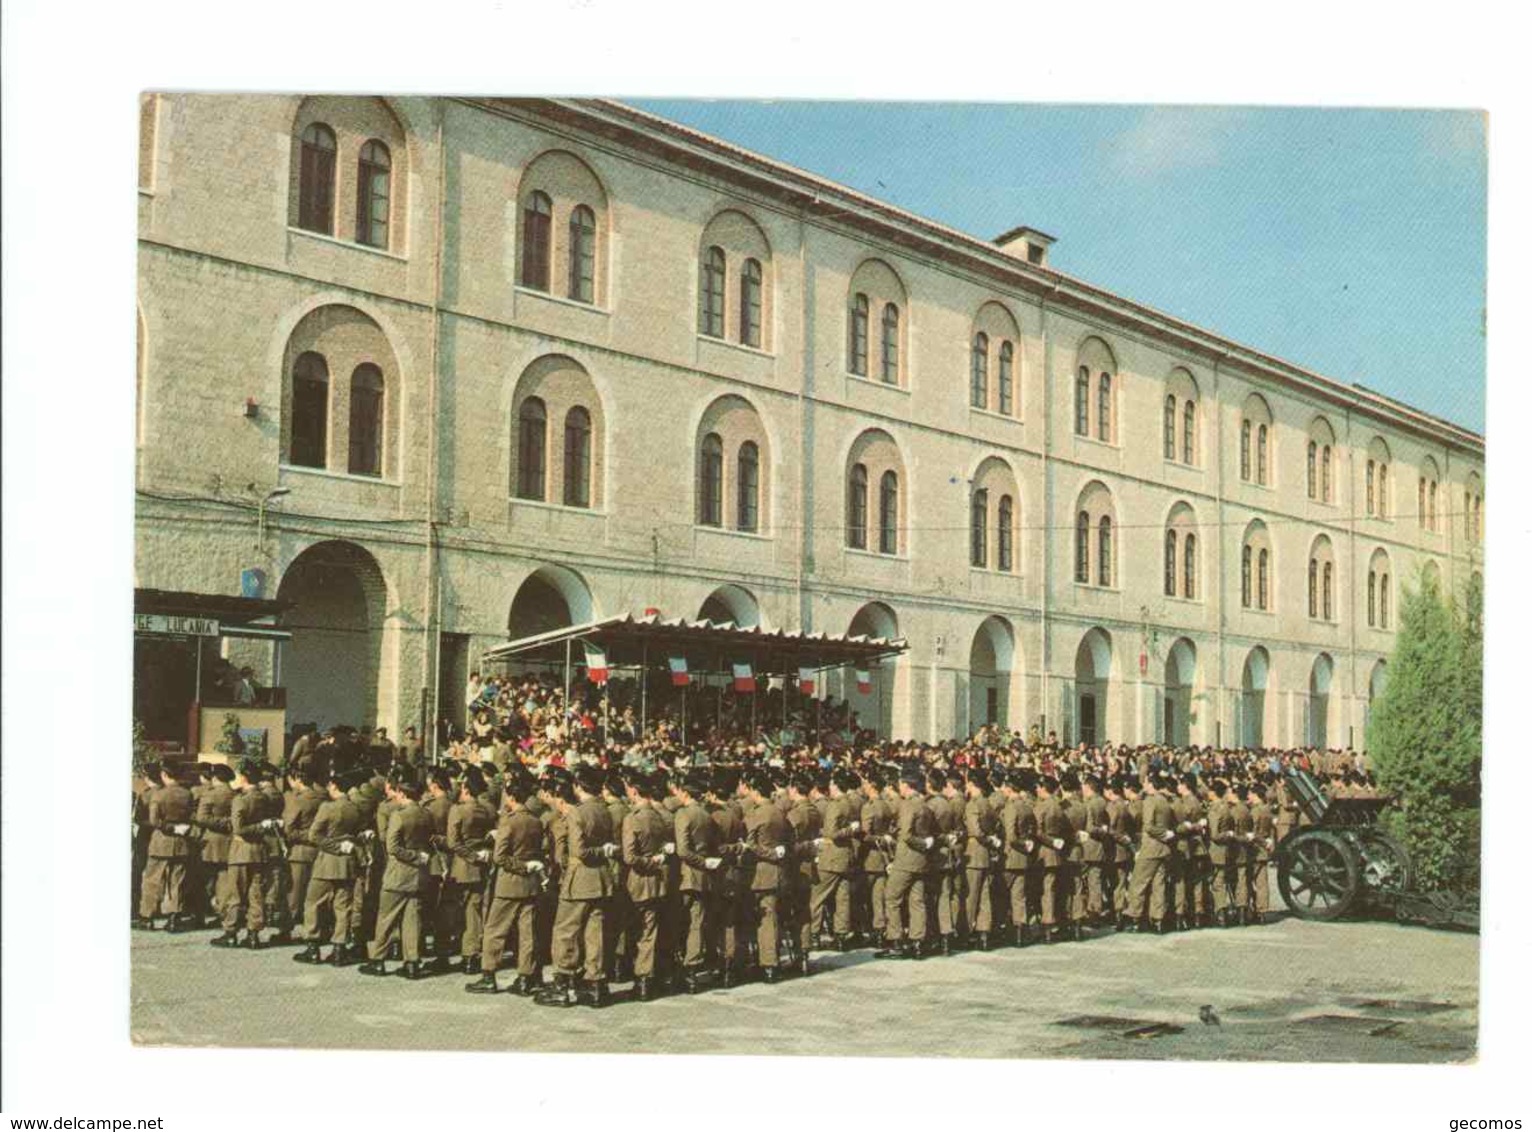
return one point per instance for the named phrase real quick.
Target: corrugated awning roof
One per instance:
(708, 646)
(228, 609)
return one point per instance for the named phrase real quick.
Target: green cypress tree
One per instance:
(1425, 734)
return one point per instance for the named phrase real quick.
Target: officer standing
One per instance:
(407, 848)
(837, 855)
(243, 896)
(470, 822)
(520, 872)
(913, 839)
(334, 835)
(1262, 844)
(169, 814)
(299, 808)
(696, 838)
(585, 893)
(1146, 899)
(981, 839)
(646, 851)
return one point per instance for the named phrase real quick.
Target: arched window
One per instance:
(1082, 548)
(890, 372)
(858, 344)
(1372, 598)
(1372, 472)
(1431, 505)
(748, 486)
(710, 482)
(1244, 577)
(1170, 563)
(978, 372)
(1383, 601)
(1263, 574)
(537, 242)
(1170, 427)
(308, 445)
(372, 195)
(1007, 378)
(577, 458)
(1325, 491)
(750, 303)
(582, 255)
(1383, 491)
(1260, 455)
(978, 529)
(1313, 470)
(1313, 587)
(1104, 552)
(1189, 567)
(1082, 402)
(1189, 433)
(532, 450)
(856, 509)
(888, 514)
(1420, 504)
(1244, 450)
(366, 441)
(1329, 591)
(710, 315)
(316, 179)
(1005, 531)
(1104, 408)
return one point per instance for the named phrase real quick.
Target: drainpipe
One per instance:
(430, 677)
(1216, 401)
(1045, 542)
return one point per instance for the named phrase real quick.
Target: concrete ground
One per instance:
(1288, 991)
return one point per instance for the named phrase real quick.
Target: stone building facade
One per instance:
(525, 362)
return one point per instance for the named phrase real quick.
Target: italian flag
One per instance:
(864, 681)
(744, 679)
(595, 663)
(679, 677)
(806, 681)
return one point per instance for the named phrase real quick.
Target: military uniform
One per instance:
(1018, 827)
(1263, 841)
(804, 818)
(645, 833)
(469, 825)
(332, 880)
(1224, 854)
(407, 849)
(914, 838)
(837, 857)
(169, 820)
(728, 832)
(877, 821)
(212, 820)
(980, 839)
(243, 896)
(1147, 895)
(585, 891)
(521, 870)
(696, 840)
(768, 841)
(299, 809)
(1054, 835)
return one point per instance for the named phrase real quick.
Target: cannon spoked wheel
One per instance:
(1319, 874)
(1386, 863)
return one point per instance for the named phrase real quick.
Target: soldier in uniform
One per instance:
(1244, 835)
(877, 821)
(1096, 851)
(1054, 835)
(470, 822)
(1146, 898)
(646, 851)
(521, 869)
(169, 821)
(585, 893)
(617, 793)
(728, 838)
(837, 857)
(1223, 852)
(212, 822)
(274, 882)
(1018, 830)
(804, 818)
(981, 840)
(1122, 829)
(243, 896)
(1191, 826)
(1262, 845)
(768, 845)
(913, 839)
(436, 907)
(407, 847)
(696, 840)
(334, 835)
(299, 808)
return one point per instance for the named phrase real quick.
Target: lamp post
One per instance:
(260, 512)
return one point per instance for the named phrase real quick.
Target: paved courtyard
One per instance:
(1289, 991)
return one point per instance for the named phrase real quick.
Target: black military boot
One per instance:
(395, 952)
(372, 967)
(981, 940)
(731, 975)
(472, 965)
(309, 954)
(521, 986)
(598, 994)
(843, 942)
(253, 941)
(227, 939)
(771, 974)
(413, 969)
(484, 984)
(557, 993)
(690, 982)
(343, 955)
(948, 943)
(805, 968)
(643, 988)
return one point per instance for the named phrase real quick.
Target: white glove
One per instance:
(855, 827)
(1028, 845)
(818, 843)
(609, 850)
(346, 847)
(1082, 836)
(534, 866)
(668, 848)
(994, 842)
(264, 823)
(779, 852)
(1058, 843)
(180, 829)
(482, 855)
(711, 863)
(929, 842)
(1167, 836)
(422, 857)
(135, 829)
(369, 834)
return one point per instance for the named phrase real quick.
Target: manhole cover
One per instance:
(1350, 1023)
(1406, 1006)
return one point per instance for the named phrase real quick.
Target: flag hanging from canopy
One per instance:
(595, 663)
(806, 681)
(864, 681)
(744, 678)
(679, 677)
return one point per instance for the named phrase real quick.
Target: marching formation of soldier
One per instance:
(686, 879)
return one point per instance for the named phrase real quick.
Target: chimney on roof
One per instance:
(1026, 244)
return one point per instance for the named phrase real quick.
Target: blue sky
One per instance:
(1351, 242)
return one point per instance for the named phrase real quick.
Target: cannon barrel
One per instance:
(1307, 792)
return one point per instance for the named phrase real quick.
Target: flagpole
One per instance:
(684, 687)
(567, 647)
(643, 694)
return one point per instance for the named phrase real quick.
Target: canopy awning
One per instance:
(708, 646)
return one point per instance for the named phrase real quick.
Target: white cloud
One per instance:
(1166, 138)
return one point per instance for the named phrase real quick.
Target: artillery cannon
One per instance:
(1340, 862)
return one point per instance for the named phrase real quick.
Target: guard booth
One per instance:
(198, 658)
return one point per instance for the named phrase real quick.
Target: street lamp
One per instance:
(260, 512)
